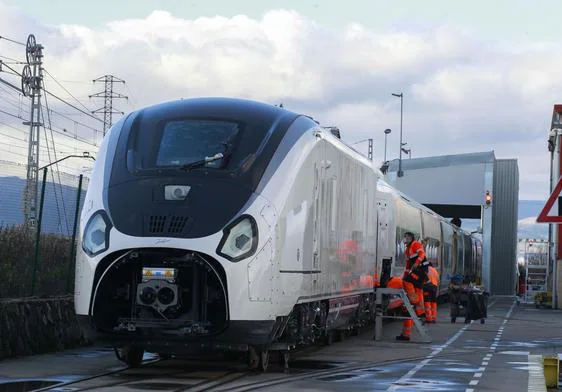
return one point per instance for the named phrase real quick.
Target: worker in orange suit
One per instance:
(397, 304)
(415, 274)
(430, 294)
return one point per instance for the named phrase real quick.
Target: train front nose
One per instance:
(160, 292)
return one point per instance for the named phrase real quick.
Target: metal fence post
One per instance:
(38, 233)
(73, 243)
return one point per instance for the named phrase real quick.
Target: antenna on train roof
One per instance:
(334, 131)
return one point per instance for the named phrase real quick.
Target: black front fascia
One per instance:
(136, 200)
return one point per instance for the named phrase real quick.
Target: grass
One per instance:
(17, 251)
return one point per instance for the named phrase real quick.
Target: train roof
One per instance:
(418, 205)
(236, 108)
(443, 161)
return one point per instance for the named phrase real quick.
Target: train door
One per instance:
(385, 240)
(323, 202)
(448, 254)
(300, 230)
(459, 261)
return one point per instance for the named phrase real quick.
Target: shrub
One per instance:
(17, 252)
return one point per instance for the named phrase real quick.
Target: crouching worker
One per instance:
(430, 295)
(397, 305)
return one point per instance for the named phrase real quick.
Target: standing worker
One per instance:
(430, 294)
(415, 274)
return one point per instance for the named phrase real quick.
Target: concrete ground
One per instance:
(502, 354)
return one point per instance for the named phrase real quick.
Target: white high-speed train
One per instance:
(229, 224)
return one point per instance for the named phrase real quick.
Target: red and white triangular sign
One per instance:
(550, 203)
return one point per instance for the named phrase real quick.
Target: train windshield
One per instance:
(187, 144)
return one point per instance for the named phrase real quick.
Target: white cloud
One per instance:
(462, 93)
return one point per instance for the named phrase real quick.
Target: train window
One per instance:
(186, 141)
(181, 142)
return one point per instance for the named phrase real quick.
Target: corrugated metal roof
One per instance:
(443, 160)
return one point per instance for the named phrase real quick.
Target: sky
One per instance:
(476, 76)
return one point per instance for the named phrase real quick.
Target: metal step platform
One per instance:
(379, 314)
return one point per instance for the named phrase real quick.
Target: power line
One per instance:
(10, 114)
(68, 92)
(13, 59)
(12, 40)
(74, 107)
(56, 165)
(51, 128)
(75, 121)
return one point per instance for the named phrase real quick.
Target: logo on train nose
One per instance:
(176, 192)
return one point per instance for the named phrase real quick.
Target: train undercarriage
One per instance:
(173, 302)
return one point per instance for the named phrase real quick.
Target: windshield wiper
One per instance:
(202, 162)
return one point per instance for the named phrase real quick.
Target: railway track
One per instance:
(227, 380)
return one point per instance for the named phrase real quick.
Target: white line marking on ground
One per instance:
(514, 352)
(427, 359)
(493, 347)
(536, 375)
(469, 390)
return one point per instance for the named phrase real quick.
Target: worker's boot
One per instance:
(402, 337)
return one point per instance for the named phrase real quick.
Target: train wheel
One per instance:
(341, 335)
(132, 355)
(253, 358)
(284, 360)
(264, 360)
(329, 338)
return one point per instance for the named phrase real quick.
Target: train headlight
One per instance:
(240, 239)
(96, 234)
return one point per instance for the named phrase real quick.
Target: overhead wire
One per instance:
(59, 132)
(11, 69)
(56, 164)
(64, 88)
(13, 59)
(76, 108)
(75, 147)
(11, 40)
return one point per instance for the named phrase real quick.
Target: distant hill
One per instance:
(527, 227)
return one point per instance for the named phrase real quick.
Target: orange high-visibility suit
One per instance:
(397, 283)
(430, 295)
(414, 276)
